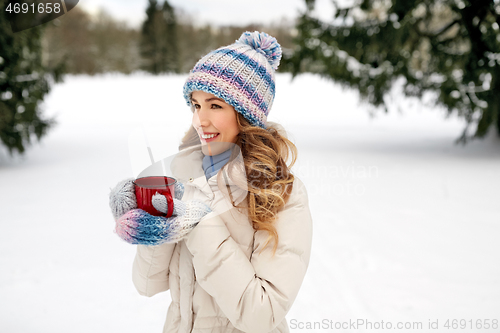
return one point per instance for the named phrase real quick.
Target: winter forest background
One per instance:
(393, 105)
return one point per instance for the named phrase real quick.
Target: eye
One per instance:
(216, 106)
(195, 106)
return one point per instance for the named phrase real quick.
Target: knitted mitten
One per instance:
(139, 227)
(122, 197)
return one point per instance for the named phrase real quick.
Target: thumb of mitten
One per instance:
(160, 202)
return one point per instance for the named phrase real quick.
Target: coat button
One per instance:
(191, 179)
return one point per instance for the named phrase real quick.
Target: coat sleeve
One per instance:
(254, 294)
(150, 268)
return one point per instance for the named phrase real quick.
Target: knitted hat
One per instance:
(242, 74)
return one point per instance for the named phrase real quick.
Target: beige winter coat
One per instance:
(218, 278)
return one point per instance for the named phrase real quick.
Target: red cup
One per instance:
(146, 187)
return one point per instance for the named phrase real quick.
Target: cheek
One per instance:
(234, 127)
(229, 125)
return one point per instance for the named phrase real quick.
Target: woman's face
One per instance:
(215, 122)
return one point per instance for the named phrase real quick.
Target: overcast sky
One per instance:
(217, 12)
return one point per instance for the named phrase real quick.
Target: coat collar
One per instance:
(186, 167)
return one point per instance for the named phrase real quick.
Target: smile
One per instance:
(210, 137)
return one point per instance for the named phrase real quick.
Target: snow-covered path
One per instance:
(406, 225)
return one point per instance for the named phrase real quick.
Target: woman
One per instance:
(236, 250)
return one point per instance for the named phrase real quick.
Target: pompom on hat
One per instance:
(242, 74)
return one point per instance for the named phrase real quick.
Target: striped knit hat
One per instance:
(242, 74)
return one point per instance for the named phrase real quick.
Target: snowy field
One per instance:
(406, 224)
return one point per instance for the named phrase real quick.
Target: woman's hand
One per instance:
(138, 227)
(122, 198)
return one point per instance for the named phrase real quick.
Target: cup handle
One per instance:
(170, 203)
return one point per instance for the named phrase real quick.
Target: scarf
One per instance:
(212, 164)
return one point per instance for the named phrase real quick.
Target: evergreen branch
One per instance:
(438, 33)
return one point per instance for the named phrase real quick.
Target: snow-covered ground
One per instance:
(406, 224)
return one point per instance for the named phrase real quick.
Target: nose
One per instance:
(201, 118)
